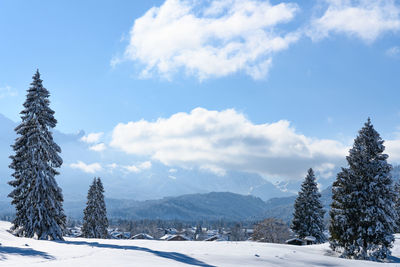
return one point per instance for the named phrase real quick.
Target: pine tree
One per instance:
(308, 217)
(36, 195)
(199, 232)
(89, 220)
(363, 210)
(102, 224)
(397, 205)
(95, 221)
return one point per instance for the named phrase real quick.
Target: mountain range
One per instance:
(157, 192)
(196, 207)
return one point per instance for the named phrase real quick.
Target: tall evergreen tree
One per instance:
(95, 220)
(36, 195)
(397, 205)
(102, 224)
(308, 217)
(363, 215)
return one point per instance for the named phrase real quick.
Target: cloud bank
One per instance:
(224, 141)
(210, 38)
(220, 141)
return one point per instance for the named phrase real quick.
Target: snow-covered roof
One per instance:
(165, 237)
(116, 234)
(293, 240)
(310, 238)
(142, 236)
(169, 237)
(216, 238)
(171, 230)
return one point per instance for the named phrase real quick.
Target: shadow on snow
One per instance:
(4, 251)
(164, 254)
(393, 259)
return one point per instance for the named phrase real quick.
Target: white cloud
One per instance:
(92, 137)
(393, 150)
(138, 168)
(112, 166)
(145, 165)
(365, 19)
(210, 39)
(132, 168)
(88, 168)
(7, 91)
(325, 170)
(98, 147)
(393, 51)
(219, 141)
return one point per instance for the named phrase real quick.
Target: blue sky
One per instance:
(334, 64)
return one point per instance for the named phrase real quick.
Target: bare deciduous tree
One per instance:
(271, 230)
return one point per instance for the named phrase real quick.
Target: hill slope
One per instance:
(210, 206)
(192, 207)
(282, 207)
(16, 251)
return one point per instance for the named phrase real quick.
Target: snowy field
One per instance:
(96, 252)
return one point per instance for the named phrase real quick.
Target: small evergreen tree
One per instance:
(36, 195)
(95, 222)
(199, 232)
(89, 220)
(363, 210)
(308, 217)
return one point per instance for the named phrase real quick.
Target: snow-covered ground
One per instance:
(97, 252)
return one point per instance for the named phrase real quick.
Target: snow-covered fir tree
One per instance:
(95, 222)
(397, 205)
(198, 234)
(36, 195)
(363, 216)
(102, 224)
(89, 220)
(308, 217)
